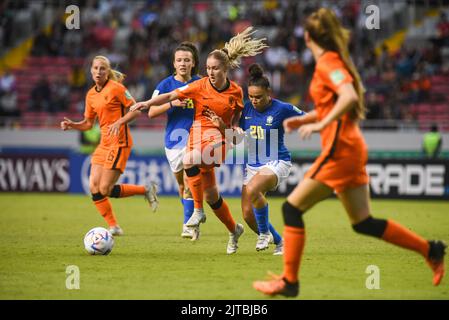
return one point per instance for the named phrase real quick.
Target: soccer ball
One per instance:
(98, 241)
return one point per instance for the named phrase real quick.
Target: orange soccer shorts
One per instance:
(113, 157)
(207, 154)
(340, 173)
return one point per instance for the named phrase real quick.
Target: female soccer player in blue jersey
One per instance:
(179, 120)
(267, 165)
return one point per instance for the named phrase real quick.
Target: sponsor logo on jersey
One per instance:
(337, 76)
(128, 95)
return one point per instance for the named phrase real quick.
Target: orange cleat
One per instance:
(277, 285)
(436, 260)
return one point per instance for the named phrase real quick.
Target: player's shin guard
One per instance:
(188, 208)
(195, 186)
(104, 208)
(393, 232)
(222, 212)
(126, 190)
(294, 240)
(261, 216)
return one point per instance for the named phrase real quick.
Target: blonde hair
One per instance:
(112, 74)
(241, 45)
(326, 30)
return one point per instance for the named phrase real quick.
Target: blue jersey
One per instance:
(179, 120)
(261, 128)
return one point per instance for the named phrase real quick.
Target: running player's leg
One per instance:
(191, 162)
(100, 199)
(185, 194)
(247, 210)
(116, 159)
(356, 202)
(214, 199)
(303, 197)
(175, 159)
(187, 203)
(221, 209)
(262, 182)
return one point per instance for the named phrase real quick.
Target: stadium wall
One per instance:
(148, 139)
(28, 170)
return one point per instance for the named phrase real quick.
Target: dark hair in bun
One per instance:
(256, 77)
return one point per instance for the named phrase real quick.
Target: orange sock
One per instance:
(105, 209)
(294, 239)
(223, 213)
(128, 190)
(403, 237)
(196, 188)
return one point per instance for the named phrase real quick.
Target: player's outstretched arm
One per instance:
(294, 123)
(114, 129)
(156, 101)
(156, 111)
(83, 125)
(347, 99)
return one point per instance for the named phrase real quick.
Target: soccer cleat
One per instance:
(263, 241)
(277, 285)
(271, 238)
(186, 232)
(151, 195)
(116, 230)
(436, 260)
(279, 249)
(234, 239)
(198, 216)
(195, 233)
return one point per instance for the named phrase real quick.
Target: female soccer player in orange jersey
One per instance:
(337, 92)
(207, 145)
(107, 101)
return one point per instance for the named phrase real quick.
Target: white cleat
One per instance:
(271, 238)
(116, 231)
(279, 249)
(187, 232)
(195, 233)
(234, 239)
(198, 216)
(263, 241)
(151, 195)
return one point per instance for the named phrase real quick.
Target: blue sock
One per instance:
(262, 219)
(276, 236)
(188, 209)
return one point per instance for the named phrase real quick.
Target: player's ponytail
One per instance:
(241, 45)
(257, 78)
(112, 74)
(326, 30)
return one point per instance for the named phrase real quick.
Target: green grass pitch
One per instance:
(42, 234)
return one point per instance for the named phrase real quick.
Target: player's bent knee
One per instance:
(215, 204)
(105, 189)
(212, 196)
(371, 227)
(292, 215)
(97, 196)
(248, 215)
(193, 171)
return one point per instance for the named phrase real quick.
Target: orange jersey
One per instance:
(341, 164)
(224, 102)
(341, 136)
(109, 105)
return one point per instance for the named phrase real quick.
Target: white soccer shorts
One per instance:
(174, 157)
(280, 168)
